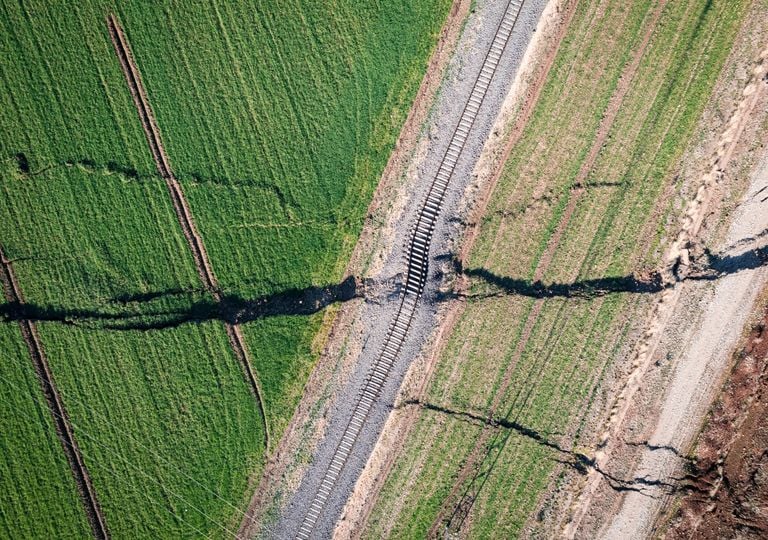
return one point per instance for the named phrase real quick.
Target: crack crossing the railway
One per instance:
(417, 272)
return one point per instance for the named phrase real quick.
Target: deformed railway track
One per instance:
(417, 254)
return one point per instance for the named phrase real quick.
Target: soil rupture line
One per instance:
(676, 266)
(458, 504)
(55, 405)
(180, 205)
(417, 253)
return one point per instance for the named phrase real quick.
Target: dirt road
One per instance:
(700, 368)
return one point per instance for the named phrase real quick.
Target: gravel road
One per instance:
(463, 68)
(699, 368)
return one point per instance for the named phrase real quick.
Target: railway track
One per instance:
(417, 254)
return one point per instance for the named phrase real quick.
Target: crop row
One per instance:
(551, 376)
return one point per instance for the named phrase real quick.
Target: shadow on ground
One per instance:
(707, 267)
(232, 308)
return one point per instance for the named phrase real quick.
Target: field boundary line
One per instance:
(181, 207)
(472, 463)
(55, 404)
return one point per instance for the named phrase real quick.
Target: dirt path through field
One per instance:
(55, 405)
(676, 266)
(181, 207)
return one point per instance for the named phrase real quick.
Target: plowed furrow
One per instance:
(180, 205)
(55, 405)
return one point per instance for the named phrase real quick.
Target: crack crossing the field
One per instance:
(457, 505)
(55, 405)
(230, 309)
(577, 460)
(181, 206)
(417, 253)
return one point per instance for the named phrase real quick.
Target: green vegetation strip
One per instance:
(278, 128)
(40, 496)
(551, 387)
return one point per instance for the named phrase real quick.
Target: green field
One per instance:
(616, 228)
(278, 127)
(40, 499)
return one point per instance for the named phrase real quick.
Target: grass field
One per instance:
(40, 497)
(279, 135)
(533, 364)
(316, 112)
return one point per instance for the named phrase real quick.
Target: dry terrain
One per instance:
(725, 490)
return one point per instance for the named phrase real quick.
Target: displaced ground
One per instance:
(695, 324)
(328, 416)
(725, 491)
(569, 265)
(165, 420)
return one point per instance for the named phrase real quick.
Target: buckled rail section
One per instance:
(417, 254)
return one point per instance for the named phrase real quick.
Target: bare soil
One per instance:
(727, 480)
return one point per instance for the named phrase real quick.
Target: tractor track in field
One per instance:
(55, 405)
(457, 505)
(180, 205)
(417, 254)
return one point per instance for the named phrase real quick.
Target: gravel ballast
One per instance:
(462, 70)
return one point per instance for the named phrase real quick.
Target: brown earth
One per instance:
(727, 482)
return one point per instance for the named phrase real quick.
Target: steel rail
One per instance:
(417, 253)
